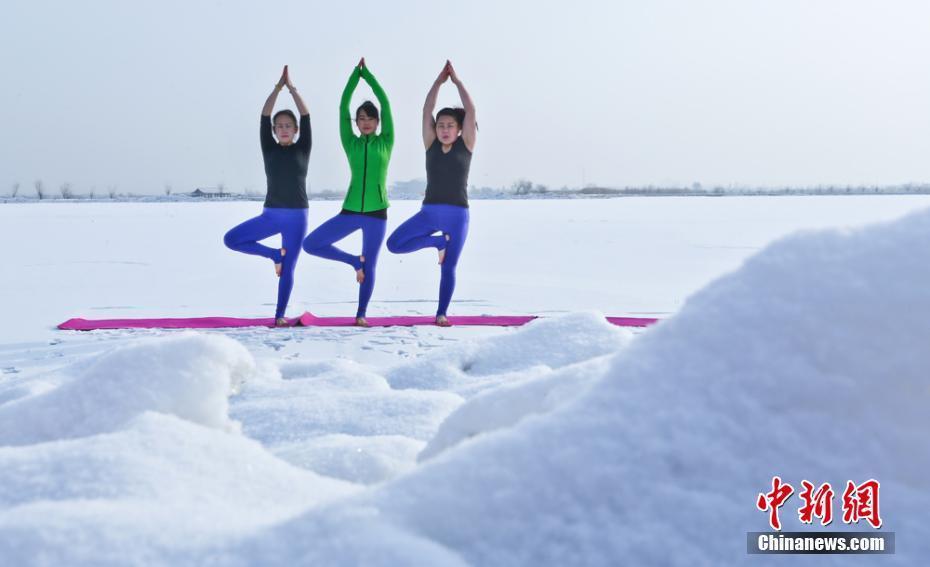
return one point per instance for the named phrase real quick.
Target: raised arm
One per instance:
(470, 128)
(265, 137)
(269, 102)
(387, 119)
(301, 107)
(346, 134)
(305, 137)
(429, 123)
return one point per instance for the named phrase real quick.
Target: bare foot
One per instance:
(281, 322)
(360, 273)
(361, 322)
(443, 321)
(278, 267)
(442, 253)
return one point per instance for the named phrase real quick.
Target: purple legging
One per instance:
(320, 243)
(291, 224)
(416, 233)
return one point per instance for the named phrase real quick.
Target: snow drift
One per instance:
(809, 363)
(563, 444)
(190, 376)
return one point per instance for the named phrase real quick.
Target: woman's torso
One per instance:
(286, 167)
(447, 174)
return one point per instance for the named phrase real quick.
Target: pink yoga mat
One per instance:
(181, 323)
(310, 320)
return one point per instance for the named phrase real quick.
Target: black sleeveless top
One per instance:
(447, 174)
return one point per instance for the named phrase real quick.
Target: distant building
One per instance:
(209, 193)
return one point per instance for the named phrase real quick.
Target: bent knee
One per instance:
(310, 246)
(393, 244)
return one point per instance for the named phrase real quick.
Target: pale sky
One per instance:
(623, 93)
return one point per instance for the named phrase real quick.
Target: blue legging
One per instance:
(320, 243)
(416, 233)
(292, 225)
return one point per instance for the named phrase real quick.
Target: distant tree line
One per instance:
(521, 188)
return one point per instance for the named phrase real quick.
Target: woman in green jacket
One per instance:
(365, 205)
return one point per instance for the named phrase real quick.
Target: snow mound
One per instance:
(808, 363)
(298, 410)
(162, 490)
(189, 375)
(341, 536)
(362, 459)
(539, 347)
(509, 403)
(336, 374)
(583, 448)
(340, 419)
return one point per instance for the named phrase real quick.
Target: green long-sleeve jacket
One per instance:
(368, 155)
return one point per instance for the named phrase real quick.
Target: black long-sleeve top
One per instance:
(286, 166)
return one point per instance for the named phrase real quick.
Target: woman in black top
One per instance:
(285, 210)
(449, 142)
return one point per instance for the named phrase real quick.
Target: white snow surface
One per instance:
(190, 376)
(564, 442)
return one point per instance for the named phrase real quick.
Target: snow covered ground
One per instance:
(566, 442)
